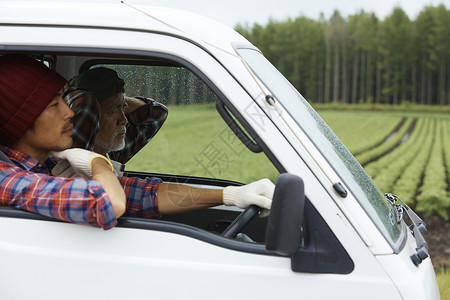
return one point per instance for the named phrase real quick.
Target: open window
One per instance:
(196, 144)
(194, 141)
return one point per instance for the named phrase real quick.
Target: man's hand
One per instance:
(134, 103)
(91, 165)
(259, 193)
(76, 161)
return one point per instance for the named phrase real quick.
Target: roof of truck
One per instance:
(116, 14)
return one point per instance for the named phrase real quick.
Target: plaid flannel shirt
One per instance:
(27, 185)
(143, 123)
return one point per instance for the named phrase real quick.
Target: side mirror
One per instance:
(284, 227)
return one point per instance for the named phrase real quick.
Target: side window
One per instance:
(195, 140)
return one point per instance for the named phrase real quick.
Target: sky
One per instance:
(248, 12)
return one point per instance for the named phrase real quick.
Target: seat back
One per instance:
(86, 119)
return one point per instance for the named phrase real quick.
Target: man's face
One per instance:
(51, 131)
(111, 136)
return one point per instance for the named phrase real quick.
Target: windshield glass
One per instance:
(348, 168)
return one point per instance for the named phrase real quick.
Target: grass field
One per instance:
(407, 153)
(443, 279)
(412, 161)
(212, 151)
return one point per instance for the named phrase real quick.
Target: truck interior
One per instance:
(228, 153)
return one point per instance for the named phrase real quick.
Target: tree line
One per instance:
(362, 59)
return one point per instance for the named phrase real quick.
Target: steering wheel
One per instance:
(239, 223)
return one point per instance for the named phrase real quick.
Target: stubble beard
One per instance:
(111, 145)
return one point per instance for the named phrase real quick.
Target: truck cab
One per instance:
(233, 118)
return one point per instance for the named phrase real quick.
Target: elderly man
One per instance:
(139, 117)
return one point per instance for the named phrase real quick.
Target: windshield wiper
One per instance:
(418, 227)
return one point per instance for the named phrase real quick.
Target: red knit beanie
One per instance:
(26, 88)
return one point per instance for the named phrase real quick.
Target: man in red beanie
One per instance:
(35, 120)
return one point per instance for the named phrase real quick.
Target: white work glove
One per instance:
(76, 161)
(259, 193)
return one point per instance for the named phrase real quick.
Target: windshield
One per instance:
(348, 168)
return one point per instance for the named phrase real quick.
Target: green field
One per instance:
(412, 163)
(407, 154)
(443, 279)
(195, 141)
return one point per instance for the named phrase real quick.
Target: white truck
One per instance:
(331, 233)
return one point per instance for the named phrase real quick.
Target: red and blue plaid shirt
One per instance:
(26, 184)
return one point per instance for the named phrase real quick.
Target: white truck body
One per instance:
(148, 259)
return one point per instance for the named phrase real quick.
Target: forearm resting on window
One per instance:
(101, 172)
(178, 198)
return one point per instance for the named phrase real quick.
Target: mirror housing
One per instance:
(284, 227)
(296, 229)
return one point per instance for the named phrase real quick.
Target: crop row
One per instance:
(387, 169)
(416, 170)
(372, 154)
(363, 131)
(407, 185)
(446, 146)
(433, 196)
